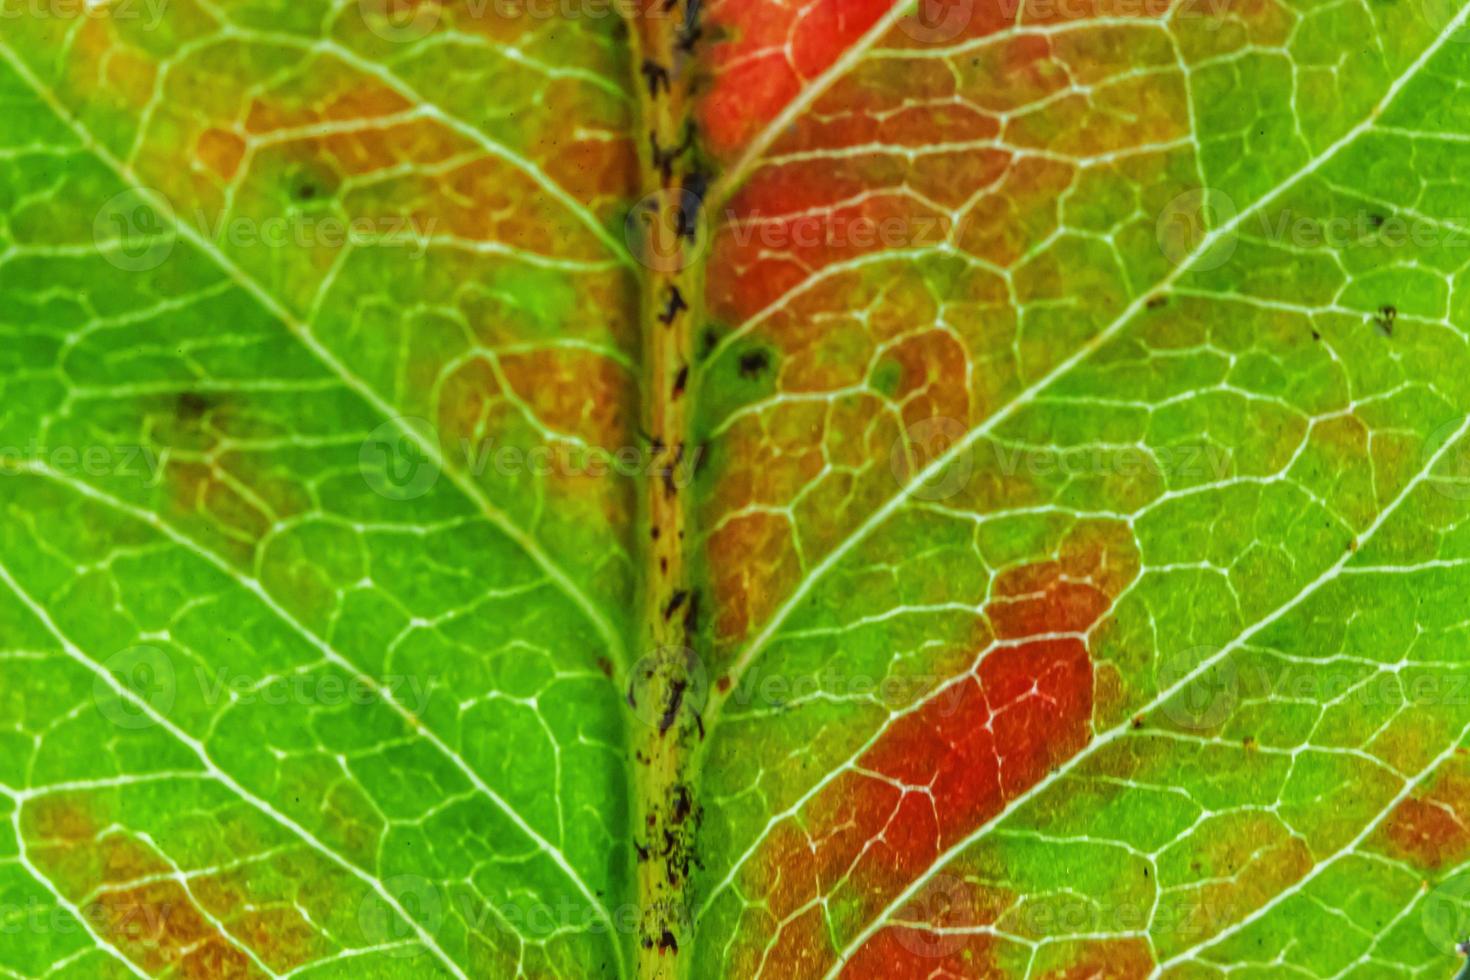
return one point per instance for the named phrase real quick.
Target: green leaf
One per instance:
(733, 489)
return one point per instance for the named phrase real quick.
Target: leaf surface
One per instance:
(1075, 497)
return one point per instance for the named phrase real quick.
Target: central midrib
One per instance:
(666, 231)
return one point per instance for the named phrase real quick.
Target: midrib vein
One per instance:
(666, 231)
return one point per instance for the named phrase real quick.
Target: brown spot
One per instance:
(754, 363)
(221, 151)
(1432, 830)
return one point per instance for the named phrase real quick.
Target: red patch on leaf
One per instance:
(155, 923)
(952, 765)
(119, 883)
(1433, 830)
(903, 953)
(769, 52)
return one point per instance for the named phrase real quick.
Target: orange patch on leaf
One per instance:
(1069, 593)
(905, 953)
(769, 51)
(944, 770)
(155, 924)
(1120, 959)
(221, 151)
(1433, 830)
(752, 565)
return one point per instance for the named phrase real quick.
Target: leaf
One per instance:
(991, 503)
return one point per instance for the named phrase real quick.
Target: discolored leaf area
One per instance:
(743, 488)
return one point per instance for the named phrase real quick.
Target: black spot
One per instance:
(754, 363)
(708, 342)
(673, 306)
(682, 805)
(191, 406)
(1387, 314)
(668, 472)
(691, 615)
(695, 186)
(671, 711)
(657, 75)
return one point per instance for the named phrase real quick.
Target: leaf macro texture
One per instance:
(662, 489)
